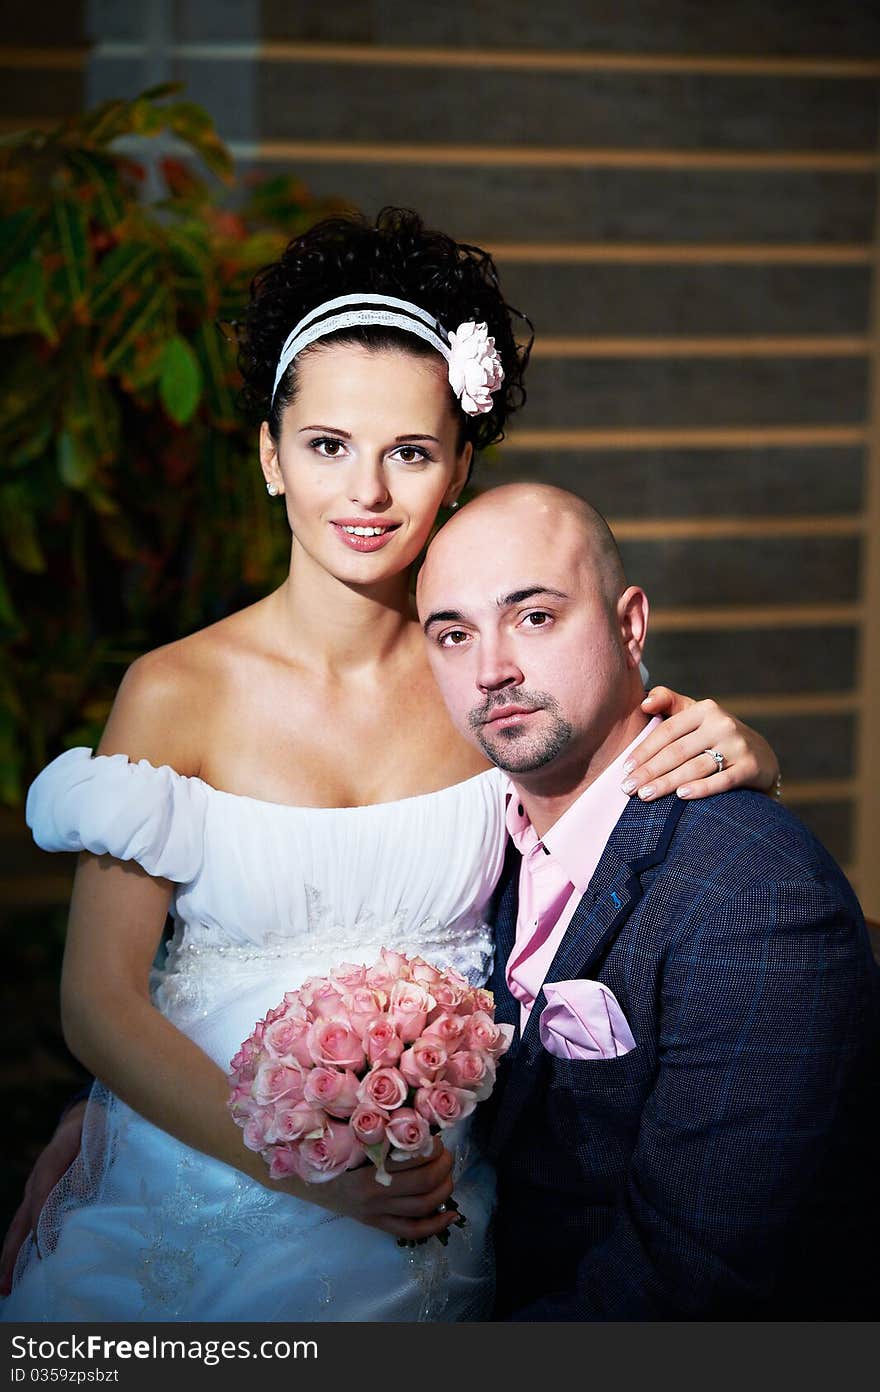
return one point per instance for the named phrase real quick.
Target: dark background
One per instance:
(683, 196)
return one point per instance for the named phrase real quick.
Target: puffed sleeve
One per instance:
(110, 806)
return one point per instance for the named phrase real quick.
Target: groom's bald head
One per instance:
(547, 518)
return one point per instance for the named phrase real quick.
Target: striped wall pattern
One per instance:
(683, 197)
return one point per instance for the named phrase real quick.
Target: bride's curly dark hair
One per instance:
(396, 255)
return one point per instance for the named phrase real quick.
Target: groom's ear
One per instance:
(632, 616)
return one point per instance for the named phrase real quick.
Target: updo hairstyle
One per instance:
(397, 255)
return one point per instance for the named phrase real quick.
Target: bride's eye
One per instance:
(327, 447)
(411, 454)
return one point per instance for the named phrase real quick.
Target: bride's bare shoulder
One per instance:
(164, 706)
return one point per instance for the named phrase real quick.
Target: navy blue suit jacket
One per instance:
(726, 1167)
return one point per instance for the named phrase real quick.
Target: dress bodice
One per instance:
(267, 894)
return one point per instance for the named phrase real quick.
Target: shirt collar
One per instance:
(588, 823)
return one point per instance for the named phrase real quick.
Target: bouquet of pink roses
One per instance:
(362, 1064)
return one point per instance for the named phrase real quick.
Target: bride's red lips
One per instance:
(364, 544)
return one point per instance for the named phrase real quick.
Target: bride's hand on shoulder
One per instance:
(673, 757)
(406, 1208)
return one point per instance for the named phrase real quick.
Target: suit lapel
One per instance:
(507, 904)
(640, 839)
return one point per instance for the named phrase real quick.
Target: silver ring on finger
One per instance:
(718, 758)
(442, 1208)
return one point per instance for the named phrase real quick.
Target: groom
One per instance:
(682, 1128)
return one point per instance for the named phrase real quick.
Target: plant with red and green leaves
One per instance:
(132, 509)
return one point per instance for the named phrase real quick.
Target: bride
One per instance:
(288, 785)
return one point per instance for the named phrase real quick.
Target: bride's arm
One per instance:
(110, 1024)
(117, 915)
(673, 758)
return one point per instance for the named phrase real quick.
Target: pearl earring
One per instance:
(272, 490)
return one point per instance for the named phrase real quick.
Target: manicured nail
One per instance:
(684, 792)
(647, 792)
(629, 765)
(628, 786)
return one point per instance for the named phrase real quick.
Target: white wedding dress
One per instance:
(144, 1228)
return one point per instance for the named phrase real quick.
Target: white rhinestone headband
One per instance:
(475, 370)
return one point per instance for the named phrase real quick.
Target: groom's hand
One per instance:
(51, 1164)
(407, 1207)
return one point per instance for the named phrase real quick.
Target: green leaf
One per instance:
(162, 89)
(9, 623)
(127, 262)
(76, 462)
(18, 529)
(23, 302)
(219, 395)
(180, 381)
(193, 124)
(143, 315)
(102, 174)
(73, 241)
(17, 232)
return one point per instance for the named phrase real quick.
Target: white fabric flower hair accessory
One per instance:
(475, 370)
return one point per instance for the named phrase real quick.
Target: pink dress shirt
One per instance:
(556, 872)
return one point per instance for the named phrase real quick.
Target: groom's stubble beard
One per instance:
(516, 750)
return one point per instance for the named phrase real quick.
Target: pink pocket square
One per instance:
(582, 1020)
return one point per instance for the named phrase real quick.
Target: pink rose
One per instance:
(294, 1003)
(423, 1062)
(363, 1007)
(334, 1091)
(396, 963)
(448, 998)
(275, 1080)
(471, 1069)
(483, 1033)
(286, 1038)
(383, 1087)
(336, 1043)
(348, 976)
(443, 1105)
(240, 1095)
(408, 1009)
(295, 1123)
(329, 1155)
(283, 1162)
(255, 1129)
(423, 972)
(382, 1043)
(481, 999)
(380, 978)
(368, 1124)
(325, 1001)
(448, 1029)
(409, 1134)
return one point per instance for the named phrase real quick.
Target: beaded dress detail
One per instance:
(265, 895)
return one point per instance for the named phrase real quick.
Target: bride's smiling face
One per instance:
(367, 455)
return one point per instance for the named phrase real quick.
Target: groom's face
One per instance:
(525, 639)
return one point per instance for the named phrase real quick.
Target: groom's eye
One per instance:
(538, 618)
(452, 638)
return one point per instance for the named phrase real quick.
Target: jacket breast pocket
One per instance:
(593, 1108)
